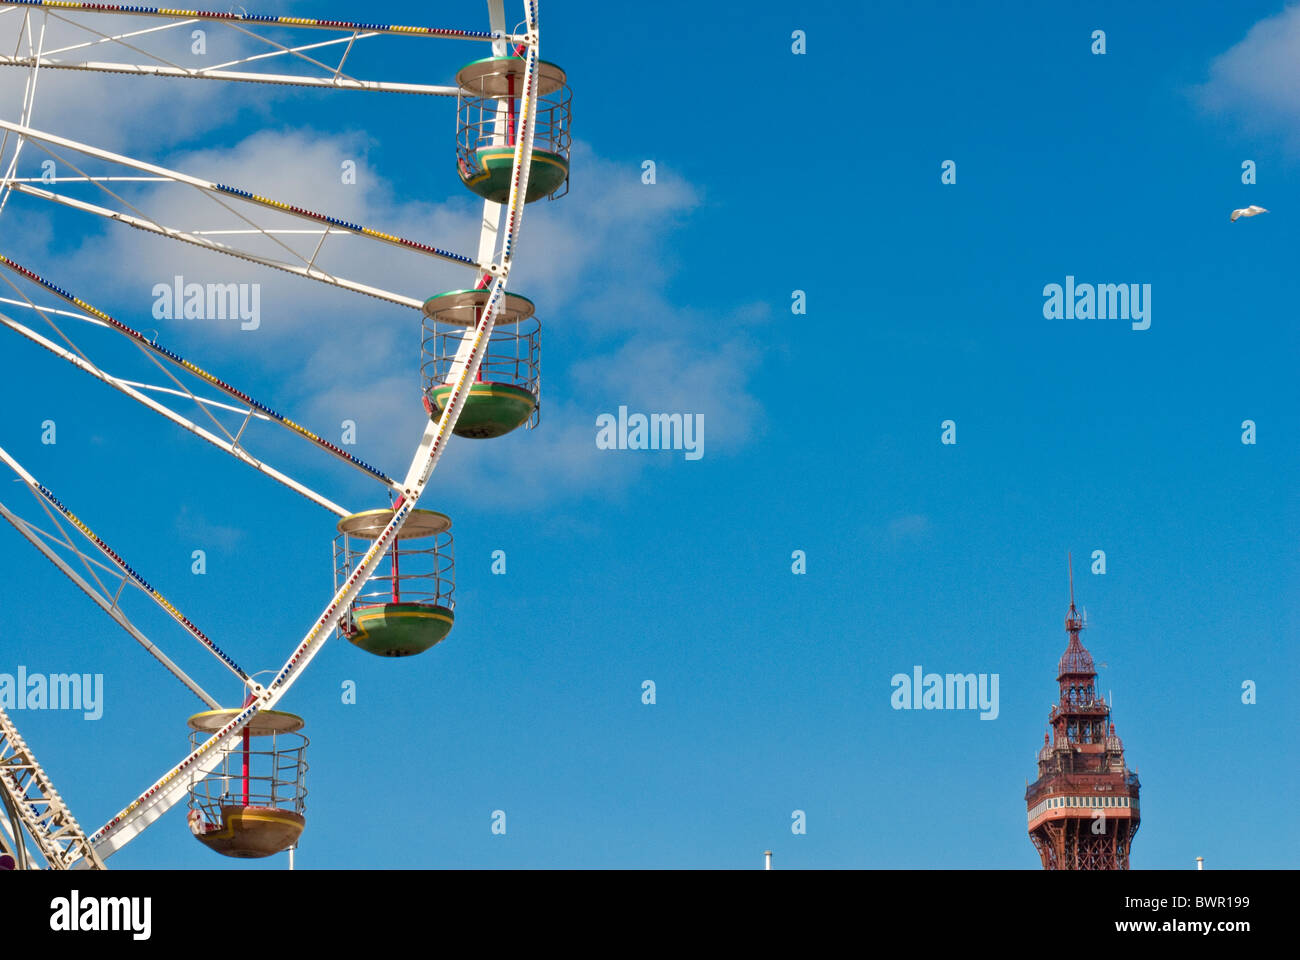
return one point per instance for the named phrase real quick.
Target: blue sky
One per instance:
(774, 173)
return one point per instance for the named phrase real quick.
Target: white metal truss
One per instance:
(39, 807)
(14, 840)
(106, 603)
(250, 409)
(234, 201)
(230, 444)
(29, 99)
(118, 568)
(172, 786)
(501, 225)
(262, 48)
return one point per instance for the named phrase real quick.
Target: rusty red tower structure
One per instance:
(1083, 808)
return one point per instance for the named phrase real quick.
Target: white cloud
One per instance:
(1258, 79)
(596, 262)
(913, 526)
(707, 376)
(115, 111)
(206, 533)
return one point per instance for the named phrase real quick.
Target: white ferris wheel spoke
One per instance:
(220, 193)
(105, 38)
(200, 239)
(29, 99)
(205, 401)
(90, 180)
(251, 409)
(235, 450)
(330, 77)
(62, 313)
(101, 596)
(228, 198)
(173, 786)
(298, 51)
(285, 80)
(54, 509)
(264, 20)
(109, 606)
(87, 560)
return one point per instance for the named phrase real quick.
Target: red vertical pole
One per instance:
(510, 110)
(478, 311)
(246, 741)
(396, 588)
(478, 317)
(247, 735)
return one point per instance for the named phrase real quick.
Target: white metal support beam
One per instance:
(172, 787)
(223, 192)
(110, 607)
(238, 452)
(274, 79)
(41, 810)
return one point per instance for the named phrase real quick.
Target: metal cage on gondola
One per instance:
(253, 803)
(506, 392)
(487, 114)
(407, 605)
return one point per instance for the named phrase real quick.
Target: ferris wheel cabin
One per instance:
(487, 118)
(252, 805)
(506, 388)
(407, 604)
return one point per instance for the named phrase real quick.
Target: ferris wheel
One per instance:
(393, 594)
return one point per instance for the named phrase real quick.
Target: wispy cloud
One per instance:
(205, 534)
(1257, 80)
(596, 262)
(913, 526)
(115, 111)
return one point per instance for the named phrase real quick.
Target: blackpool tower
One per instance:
(1083, 808)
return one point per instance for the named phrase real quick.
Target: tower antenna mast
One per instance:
(1072, 622)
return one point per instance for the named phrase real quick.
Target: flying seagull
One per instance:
(1250, 211)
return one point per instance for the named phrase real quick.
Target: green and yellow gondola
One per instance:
(487, 125)
(505, 395)
(406, 609)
